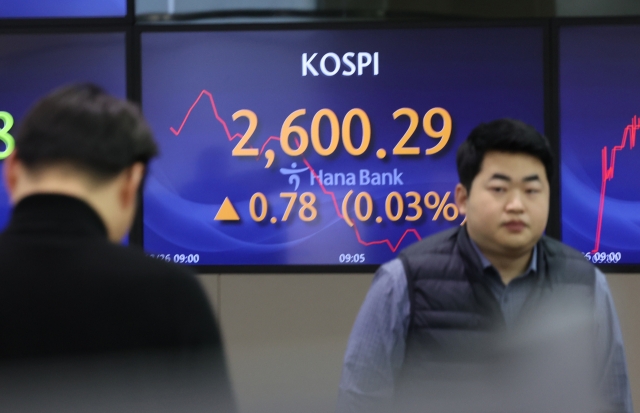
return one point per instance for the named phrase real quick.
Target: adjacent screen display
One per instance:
(320, 147)
(599, 120)
(32, 65)
(63, 8)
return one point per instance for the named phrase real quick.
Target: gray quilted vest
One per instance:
(456, 328)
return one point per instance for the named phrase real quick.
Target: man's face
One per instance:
(508, 204)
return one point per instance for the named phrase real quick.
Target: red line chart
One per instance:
(608, 169)
(331, 194)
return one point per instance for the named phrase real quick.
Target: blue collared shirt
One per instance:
(511, 297)
(375, 351)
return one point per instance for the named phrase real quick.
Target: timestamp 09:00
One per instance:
(603, 257)
(178, 258)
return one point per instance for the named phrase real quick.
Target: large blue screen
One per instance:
(599, 120)
(309, 147)
(33, 65)
(63, 8)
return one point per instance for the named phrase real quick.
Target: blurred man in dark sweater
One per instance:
(87, 324)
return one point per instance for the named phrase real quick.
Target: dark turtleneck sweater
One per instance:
(67, 292)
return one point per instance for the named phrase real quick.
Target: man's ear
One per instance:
(132, 179)
(462, 196)
(11, 169)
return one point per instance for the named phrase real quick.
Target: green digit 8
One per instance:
(5, 137)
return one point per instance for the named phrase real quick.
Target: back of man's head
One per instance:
(80, 142)
(83, 126)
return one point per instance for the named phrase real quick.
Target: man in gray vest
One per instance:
(491, 316)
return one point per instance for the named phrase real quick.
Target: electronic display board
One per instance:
(25, 9)
(32, 65)
(598, 125)
(296, 147)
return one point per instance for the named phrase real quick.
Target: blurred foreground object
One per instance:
(90, 325)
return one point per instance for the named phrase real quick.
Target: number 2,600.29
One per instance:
(294, 139)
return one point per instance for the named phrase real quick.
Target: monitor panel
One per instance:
(31, 65)
(25, 9)
(316, 147)
(599, 120)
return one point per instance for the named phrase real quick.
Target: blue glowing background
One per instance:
(31, 65)
(63, 8)
(598, 101)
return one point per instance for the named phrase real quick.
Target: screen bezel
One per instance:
(87, 27)
(140, 30)
(133, 32)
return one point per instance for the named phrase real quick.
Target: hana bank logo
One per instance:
(294, 177)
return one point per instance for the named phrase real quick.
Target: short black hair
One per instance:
(502, 135)
(84, 126)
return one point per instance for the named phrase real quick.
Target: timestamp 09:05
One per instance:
(178, 258)
(351, 258)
